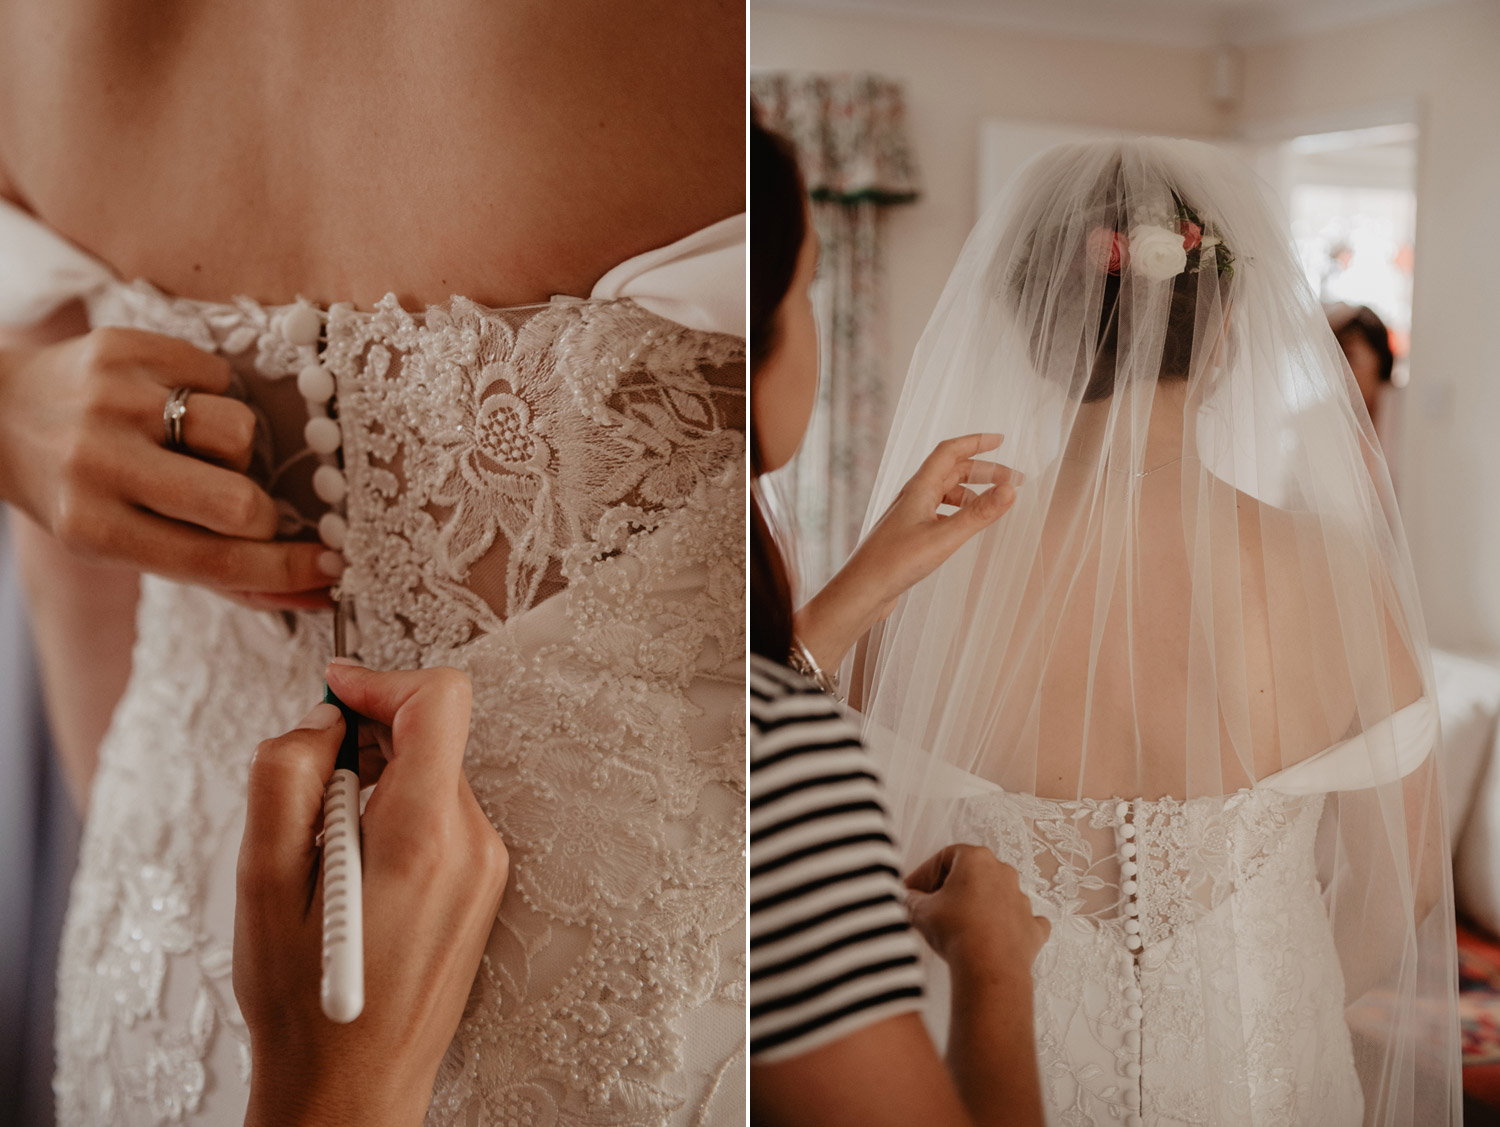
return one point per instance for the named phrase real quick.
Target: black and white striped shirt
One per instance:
(831, 949)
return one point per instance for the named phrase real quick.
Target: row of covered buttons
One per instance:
(1129, 868)
(302, 326)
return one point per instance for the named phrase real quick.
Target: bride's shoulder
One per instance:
(1290, 537)
(1327, 595)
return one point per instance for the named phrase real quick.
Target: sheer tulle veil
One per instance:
(1202, 595)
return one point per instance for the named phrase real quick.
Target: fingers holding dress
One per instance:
(84, 453)
(199, 493)
(969, 905)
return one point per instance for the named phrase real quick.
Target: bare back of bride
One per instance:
(464, 286)
(1184, 687)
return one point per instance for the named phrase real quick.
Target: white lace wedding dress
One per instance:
(1191, 976)
(550, 498)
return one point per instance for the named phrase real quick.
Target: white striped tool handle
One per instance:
(343, 905)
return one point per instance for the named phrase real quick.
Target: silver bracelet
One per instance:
(802, 660)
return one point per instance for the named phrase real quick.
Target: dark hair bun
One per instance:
(1069, 262)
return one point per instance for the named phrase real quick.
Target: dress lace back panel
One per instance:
(552, 500)
(1189, 940)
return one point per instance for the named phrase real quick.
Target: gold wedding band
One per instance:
(172, 416)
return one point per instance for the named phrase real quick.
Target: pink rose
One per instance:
(1108, 250)
(1192, 234)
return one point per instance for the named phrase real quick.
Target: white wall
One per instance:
(1448, 60)
(1445, 58)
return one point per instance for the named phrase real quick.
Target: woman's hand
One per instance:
(434, 873)
(969, 907)
(908, 543)
(82, 451)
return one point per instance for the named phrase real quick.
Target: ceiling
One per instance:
(1188, 23)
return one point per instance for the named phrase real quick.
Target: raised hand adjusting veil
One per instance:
(1183, 686)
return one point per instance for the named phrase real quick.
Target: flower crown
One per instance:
(1162, 248)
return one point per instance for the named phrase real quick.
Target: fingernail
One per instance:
(322, 716)
(331, 564)
(346, 661)
(1016, 477)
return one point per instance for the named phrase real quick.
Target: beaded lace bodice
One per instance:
(1191, 976)
(551, 499)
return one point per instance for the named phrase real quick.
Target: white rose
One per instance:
(1157, 252)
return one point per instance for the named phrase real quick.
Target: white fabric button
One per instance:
(1132, 1069)
(1128, 830)
(329, 485)
(1133, 926)
(300, 325)
(331, 530)
(323, 435)
(1122, 811)
(1133, 942)
(1128, 868)
(1128, 849)
(1132, 1098)
(1128, 888)
(1132, 908)
(1134, 1012)
(1132, 993)
(1132, 1120)
(1132, 1040)
(315, 382)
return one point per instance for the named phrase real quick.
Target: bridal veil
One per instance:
(1195, 639)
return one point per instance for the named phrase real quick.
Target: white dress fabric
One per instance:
(1236, 948)
(550, 498)
(1130, 1037)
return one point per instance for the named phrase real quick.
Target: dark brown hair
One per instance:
(1176, 345)
(1366, 323)
(778, 228)
(1031, 283)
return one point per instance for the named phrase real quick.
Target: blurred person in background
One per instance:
(1367, 346)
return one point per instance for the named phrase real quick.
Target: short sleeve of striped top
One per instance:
(831, 949)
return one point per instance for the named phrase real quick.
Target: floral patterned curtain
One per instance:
(849, 132)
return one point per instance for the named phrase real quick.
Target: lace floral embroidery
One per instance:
(551, 499)
(1234, 979)
(529, 435)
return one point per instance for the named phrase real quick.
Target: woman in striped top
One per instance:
(835, 976)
